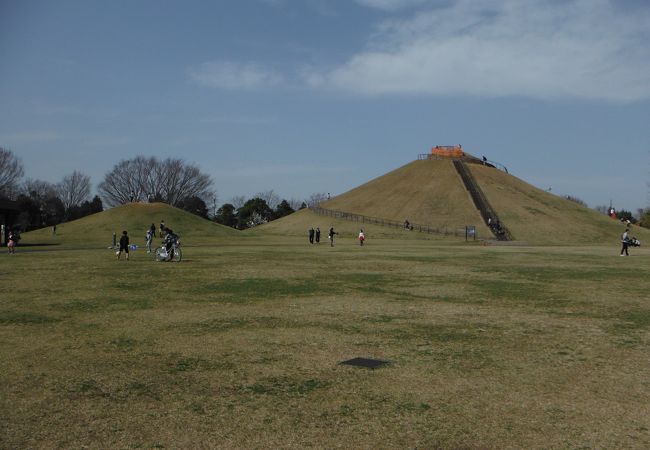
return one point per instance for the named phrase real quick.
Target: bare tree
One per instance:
(185, 181)
(171, 181)
(238, 201)
(119, 184)
(74, 189)
(296, 203)
(316, 198)
(11, 171)
(270, 197)
(211, 202)
(38, 190)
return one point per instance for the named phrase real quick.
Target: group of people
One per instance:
(496, 227)
(170, 239)
(314, 236)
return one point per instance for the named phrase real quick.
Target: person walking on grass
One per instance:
(162, 227)
(331, 236)
(317, 235)
(171, 240)
(362, 237)
(152, 228)
(124, 245)
(311, 235)
(149, 237)
(625, 241)
(11, 243)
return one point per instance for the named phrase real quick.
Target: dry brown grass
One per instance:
(431, 193)
(426, 192)
(239, 345)
(536, 216)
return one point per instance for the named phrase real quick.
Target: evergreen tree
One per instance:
(283, 209)
(226, 215)
(254, 212)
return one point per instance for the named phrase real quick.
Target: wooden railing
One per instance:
(360, 218)
(480, 201)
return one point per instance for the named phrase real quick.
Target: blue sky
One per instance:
(304, 96)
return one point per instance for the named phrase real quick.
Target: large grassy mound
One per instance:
(423, 192)
(536, 216)
(432, 193)
(426, 192)
(136, 218)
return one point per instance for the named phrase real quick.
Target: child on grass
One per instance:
(124, 245)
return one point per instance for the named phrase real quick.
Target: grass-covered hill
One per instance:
(426, 192)
(135, 218)
(535, 216)
(431, 192)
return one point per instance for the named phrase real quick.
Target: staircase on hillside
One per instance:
(489, 216)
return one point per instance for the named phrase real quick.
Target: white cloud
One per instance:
(543, 49)
(233, 75)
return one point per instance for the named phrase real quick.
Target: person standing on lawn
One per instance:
(124, 245)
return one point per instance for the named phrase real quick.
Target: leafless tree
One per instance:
(270, 197)
(171, 181)
(295, 203)
(316, 198)
(11, 171)
(74, 189)
(38, 190)
(211, 202)
(238, 201)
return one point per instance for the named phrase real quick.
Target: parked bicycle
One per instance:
(173, 254)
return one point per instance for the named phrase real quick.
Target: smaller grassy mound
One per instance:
(136, 218)
(537, 217)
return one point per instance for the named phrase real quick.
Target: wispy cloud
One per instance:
(592, 49)
(390, 5)
(234, 75)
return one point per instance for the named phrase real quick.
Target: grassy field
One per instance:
(239, 345)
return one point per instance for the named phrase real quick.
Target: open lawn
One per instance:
(239, 345)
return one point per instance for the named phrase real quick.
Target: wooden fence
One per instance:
(360, 218)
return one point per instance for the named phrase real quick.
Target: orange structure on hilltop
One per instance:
(448, 151)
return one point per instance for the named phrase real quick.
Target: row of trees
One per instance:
(172, 181)
(42, 203)
(253, 212)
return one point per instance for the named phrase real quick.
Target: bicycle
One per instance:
(175, 253)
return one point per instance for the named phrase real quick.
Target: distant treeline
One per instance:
(141, 179)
